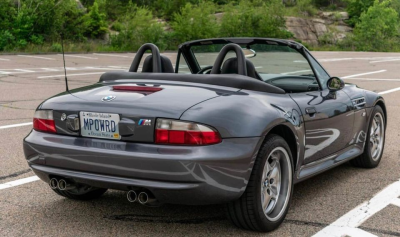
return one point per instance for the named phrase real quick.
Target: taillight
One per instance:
(185, 133)
(43, 121)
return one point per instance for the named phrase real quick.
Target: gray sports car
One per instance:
(238, 121)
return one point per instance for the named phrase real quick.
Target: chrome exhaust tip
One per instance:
(143, 198)
(62, 184)
(53, 183)
(131, 196)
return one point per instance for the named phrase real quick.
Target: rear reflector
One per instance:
(185, 133)
(137, 88)
(43, 121)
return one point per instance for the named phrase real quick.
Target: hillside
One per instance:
(123, 25)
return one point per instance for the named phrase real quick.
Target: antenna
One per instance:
(65, 69)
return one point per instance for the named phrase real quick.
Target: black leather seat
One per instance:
(166, 65)
(230, 66)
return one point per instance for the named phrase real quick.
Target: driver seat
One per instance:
(166, 65)
(230, 66)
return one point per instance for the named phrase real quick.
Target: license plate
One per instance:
(99, 125)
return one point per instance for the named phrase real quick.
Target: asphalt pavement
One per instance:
(319, 206)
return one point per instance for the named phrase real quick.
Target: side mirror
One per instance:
(335, 84)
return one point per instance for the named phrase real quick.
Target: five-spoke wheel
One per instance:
(375, 141)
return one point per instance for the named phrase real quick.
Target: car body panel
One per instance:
(243, 114)
(223, 169)
(330, 128)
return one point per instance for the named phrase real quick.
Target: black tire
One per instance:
(91, 193)
(366, 159)
(248, 212)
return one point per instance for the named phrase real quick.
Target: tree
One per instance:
(95, 23)
(355, 8)
(378, 26)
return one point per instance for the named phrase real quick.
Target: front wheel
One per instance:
(375, 141)
(265, 203)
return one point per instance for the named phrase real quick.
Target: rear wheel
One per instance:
(81, 193)
(375, 141)
(264, 204)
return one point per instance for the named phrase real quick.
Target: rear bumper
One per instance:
(174, 174)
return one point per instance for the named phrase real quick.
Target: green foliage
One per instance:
(95, 23)
(56, 47)
(355, 8)
(258, 19)
(306, 7)
(195, 22)
(377, 27)
(137, 27)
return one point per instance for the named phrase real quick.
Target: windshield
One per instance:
(270, 60)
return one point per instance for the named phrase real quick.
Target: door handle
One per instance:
(311, 111)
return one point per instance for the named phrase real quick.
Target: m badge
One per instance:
(145, 122)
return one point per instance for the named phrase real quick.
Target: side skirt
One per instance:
(319, 166)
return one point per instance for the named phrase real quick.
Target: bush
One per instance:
(195, 22)
(95, 23)
(56, 47)
(258, 19)
(355, 8)
(6, 39)
(306, 7)
(137, 27)
(377, 27)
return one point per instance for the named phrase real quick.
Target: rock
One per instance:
(311, 31)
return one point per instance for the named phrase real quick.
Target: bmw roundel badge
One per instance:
(108, 98)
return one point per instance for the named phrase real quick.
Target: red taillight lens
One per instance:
(185, 133)
(43, 121)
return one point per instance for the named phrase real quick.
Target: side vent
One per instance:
(359, 102)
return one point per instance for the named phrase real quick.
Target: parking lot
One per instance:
(343, 201)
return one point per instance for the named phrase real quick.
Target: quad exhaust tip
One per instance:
(62, 184)
(132, 196)
(143, 198)
(53, 183)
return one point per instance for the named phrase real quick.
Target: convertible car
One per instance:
(237, 121)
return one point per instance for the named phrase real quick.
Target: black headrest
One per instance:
(166, 65)
(231, 67)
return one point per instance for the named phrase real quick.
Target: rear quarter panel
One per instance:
(250, 114)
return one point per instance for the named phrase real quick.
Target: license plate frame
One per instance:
(99, 125)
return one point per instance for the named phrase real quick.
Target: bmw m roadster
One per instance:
(237, 121)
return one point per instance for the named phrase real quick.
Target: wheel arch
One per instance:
(287, 133)
(381, 103)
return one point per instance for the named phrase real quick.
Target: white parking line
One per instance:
(36, 57)
(19, 182)
(113, 55)
(77, 56)
(4, 59)
(348, 224)
(23, 70)
(335, 59)
(396, 202)
(362, 74)
(287, 73)
(389, 91)
(373, 79)
(50, 69)
(387, 60)
(71, 75)
(15, 125)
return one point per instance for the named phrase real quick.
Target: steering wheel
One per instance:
(155, 52)
(242, 68)
(204, 70)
